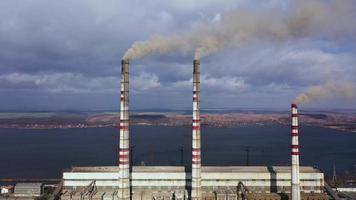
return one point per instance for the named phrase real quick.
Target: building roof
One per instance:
(135, 169)
(257, 169)
(205, 169)
(7, 186)
(94, 169)
(28, 185)
(158, 169)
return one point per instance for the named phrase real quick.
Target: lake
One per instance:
(29, 153)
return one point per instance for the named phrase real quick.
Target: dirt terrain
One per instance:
(336, 120)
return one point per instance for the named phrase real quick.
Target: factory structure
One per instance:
(197, 182)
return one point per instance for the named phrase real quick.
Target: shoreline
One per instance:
(169, 125)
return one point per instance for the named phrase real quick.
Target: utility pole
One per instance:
(153, 155)
(131, 154)
(181, 149)
(247, 149)
(334, 175)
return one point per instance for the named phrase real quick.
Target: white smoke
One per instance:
(344, 89)
(304, 18)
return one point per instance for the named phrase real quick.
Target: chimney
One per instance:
(295, 192)
(196, 152)
(124, 151)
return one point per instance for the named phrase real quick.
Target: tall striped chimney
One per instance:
(295, 191)
(196, 153)
(124, 151)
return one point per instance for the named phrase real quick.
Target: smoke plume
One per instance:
(304, 18)
(343, 89)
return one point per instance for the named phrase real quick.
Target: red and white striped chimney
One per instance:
(196, 152)
(295, 190)
(124, 151)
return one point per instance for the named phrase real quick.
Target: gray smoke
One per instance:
(305, 18)
(343, 89)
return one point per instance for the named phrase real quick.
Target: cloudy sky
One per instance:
(66, 55)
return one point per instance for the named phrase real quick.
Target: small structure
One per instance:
(28, 190)
(6, 189)
(346, 188)
(349, 186)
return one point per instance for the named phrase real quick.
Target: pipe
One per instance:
(295, 154)
(196, 152)
(124, 149)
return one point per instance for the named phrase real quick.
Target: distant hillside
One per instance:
(44, 120)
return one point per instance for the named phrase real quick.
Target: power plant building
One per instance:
(167, 182)
(196, 182)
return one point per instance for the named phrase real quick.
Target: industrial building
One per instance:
(28, 190)
(197, 182)
(166, 182)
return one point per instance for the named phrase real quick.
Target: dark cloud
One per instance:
(66, 55)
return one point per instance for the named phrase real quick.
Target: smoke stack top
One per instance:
(332, 19)
(125, 61)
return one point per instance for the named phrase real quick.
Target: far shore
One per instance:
(344, 121)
